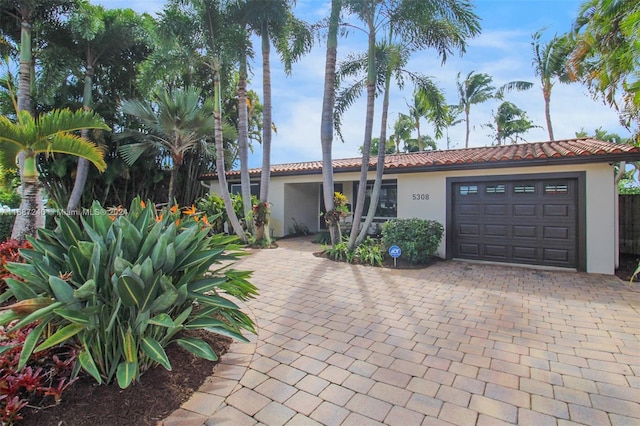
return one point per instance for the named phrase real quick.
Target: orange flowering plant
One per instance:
(123, 288)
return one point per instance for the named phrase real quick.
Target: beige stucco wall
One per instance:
(601, 222)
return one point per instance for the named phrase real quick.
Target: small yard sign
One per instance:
(395, 252)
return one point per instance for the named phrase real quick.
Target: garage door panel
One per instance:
(527, 210)
(468, 249)
(532, 222)
(468, 210)
(555, 210)
(524, 231)
(528, 254)
(557, 232)
(496, 252)
(496, 231)
(556, 255)
(495, 209)
(469, 230)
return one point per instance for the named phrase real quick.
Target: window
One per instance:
(468, 189)
(495, 189)
(524, 189)
(555, 188)
(236, 188)
(388, 202)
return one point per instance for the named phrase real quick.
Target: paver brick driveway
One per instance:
(455, 343)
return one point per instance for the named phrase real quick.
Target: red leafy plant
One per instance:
(41, 382)
(10, 252)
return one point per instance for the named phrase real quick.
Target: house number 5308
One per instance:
(420, 197)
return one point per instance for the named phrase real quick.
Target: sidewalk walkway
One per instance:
(455, 343)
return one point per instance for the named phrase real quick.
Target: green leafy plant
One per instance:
(322, 237)
(339, 252)
(418, 238)
(369, 252)
(123, 286)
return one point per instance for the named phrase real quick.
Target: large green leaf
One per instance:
(130, 290)
(29, 344)
(150, 241)
(170, 259)
(202, 259)
(70, 230)
(53, 252)
(7, 316)
(214, 300)
(39, 315)
(86, 290)
(82, 318)
(79, 258)
(63, 292)
(205, 284)
(131, 238)
(155, 351)
(28, 273)
(198, 348)
(20, 290)
(126, 373)
(150, 292)
(60, 336)
(89, 365)
(159, 252)
(163, 320)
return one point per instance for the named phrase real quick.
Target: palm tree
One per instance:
(274, 23)
(411, 26)
(475, 89)
(326, 123)
(176, 123)
(509, 123)
(549, 64)
(101, 35)
(606, 55)
(50, 133)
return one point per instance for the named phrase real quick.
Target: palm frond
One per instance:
(70, 144)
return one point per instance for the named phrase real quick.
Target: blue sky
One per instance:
(502, 50)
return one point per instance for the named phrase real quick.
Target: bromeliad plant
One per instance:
(122, 287)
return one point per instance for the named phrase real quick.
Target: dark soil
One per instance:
(158, 394)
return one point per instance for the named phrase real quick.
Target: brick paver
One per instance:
(456, 343)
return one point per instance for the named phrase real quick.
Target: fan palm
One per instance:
(176, 123)
(54, 132)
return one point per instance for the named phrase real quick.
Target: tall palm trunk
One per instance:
(172, 182)
(31, 211)
(222, 177)
(82, 169)
(326, 125)
(466, 121)
(266, 130)
(243, 144)
(377, 184)
(368, 131)
(546, 92)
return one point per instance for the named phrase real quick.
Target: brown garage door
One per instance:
(532, 222)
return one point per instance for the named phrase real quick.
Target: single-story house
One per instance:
(552, 204)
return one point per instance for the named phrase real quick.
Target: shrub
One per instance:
(418, 239)
(47, 374)
(322, 237)
(122, 286)
(369, 252)
(9, 252)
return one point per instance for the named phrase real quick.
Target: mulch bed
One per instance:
(158, 394)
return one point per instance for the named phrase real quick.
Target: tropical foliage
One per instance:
(122, 288)
(418, 239)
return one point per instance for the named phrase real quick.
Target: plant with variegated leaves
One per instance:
(123, 286)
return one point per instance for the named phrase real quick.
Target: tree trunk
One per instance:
(368, 130)
(266, 126)
(377, 184)
(326, 125)
(172, 182)
(243, 146)
(222, 177)
(547, 111)
(82, 169)
(466, 140)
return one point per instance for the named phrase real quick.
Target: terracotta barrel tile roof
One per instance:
(569, 150)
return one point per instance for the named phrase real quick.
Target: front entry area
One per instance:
(516, 219)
